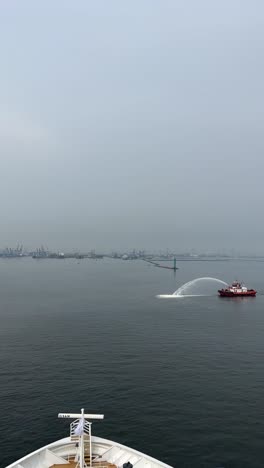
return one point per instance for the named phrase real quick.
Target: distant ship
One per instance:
(237, 290)
(82, 450)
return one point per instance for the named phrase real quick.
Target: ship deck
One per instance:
(72, 464)
(106, 454)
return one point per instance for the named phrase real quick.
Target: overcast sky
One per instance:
(132, 124)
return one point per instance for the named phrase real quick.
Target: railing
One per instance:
(101, 464)
(73, 427)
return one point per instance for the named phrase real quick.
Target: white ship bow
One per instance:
(82, 450)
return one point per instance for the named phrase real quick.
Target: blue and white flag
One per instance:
(80, 428)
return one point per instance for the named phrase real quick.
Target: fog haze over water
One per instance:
(132, 124)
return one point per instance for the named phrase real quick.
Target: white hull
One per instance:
(59, 452)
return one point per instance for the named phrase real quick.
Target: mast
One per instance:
(80, 430)
(81, 459)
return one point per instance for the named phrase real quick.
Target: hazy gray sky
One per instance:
(132, 124)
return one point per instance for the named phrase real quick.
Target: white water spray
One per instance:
(184, 290)
(180, 291)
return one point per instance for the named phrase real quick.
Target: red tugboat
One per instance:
(237, 290)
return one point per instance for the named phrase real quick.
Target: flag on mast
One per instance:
(80, 428)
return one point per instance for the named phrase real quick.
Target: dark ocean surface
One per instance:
(179, 379)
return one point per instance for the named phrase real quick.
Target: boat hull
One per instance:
(226, 293)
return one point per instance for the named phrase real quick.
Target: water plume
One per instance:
(186, 289)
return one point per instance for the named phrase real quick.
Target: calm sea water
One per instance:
(182, 380)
